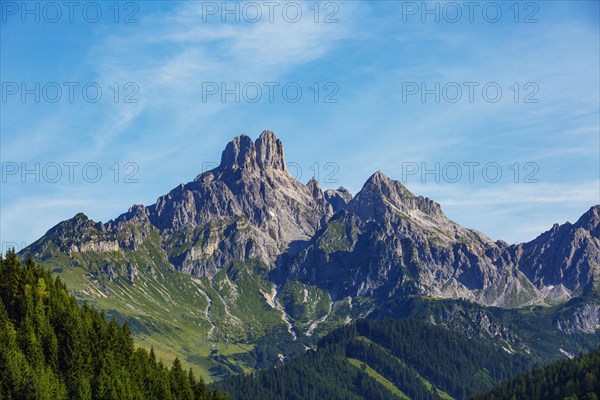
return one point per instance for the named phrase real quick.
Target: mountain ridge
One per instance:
(251, 208)
(257, 257)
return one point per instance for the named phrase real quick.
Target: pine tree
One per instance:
(198, 386)
(9, 283)
(180, 384)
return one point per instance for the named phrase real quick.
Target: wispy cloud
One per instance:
(494, 196)
(513, 212)
(170, 57)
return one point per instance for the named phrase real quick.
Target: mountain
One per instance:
(389, 242)
(245, 267)
(249, 208)
(190, 273)
(564, 259)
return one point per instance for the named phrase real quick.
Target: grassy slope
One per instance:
(212, 325)
(168, 310)
(425, 382)
(379, 378)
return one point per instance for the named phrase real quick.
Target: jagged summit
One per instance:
(239, 153)
(377, 178)
(269, 151)
(380, 195)
(263, 154)
(315, 188)
(338, 198)
(380, 184)
(590, 220)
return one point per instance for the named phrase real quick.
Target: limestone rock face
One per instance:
(585, 318)
(338, 199)
(388, 242)
(567, 255)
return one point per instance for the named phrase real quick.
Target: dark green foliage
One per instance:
(314, 376)
(419, 359)
(574, 379)
(52, 348)
(532, 329)
(456, 364)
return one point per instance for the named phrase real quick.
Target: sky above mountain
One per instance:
(490, 108)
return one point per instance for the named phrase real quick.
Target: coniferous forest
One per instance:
(53, 348)
(576, 379)
(384, 359)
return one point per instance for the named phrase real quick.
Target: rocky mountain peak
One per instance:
(379, 183)
(263, 154)
(239, 153)
(338, 198)
(381, 195)
(377, 178)
(590, 220)
(269, 151)
(315, 188)
(137, 213)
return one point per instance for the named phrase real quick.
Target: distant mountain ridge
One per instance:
(261, 252)
(388, 241)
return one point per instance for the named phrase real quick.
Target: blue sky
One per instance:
(366, 56)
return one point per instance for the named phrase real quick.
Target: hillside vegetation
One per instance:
(53, 348)
(574, 379)
(385, 359)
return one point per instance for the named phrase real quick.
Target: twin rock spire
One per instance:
(266, 153)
